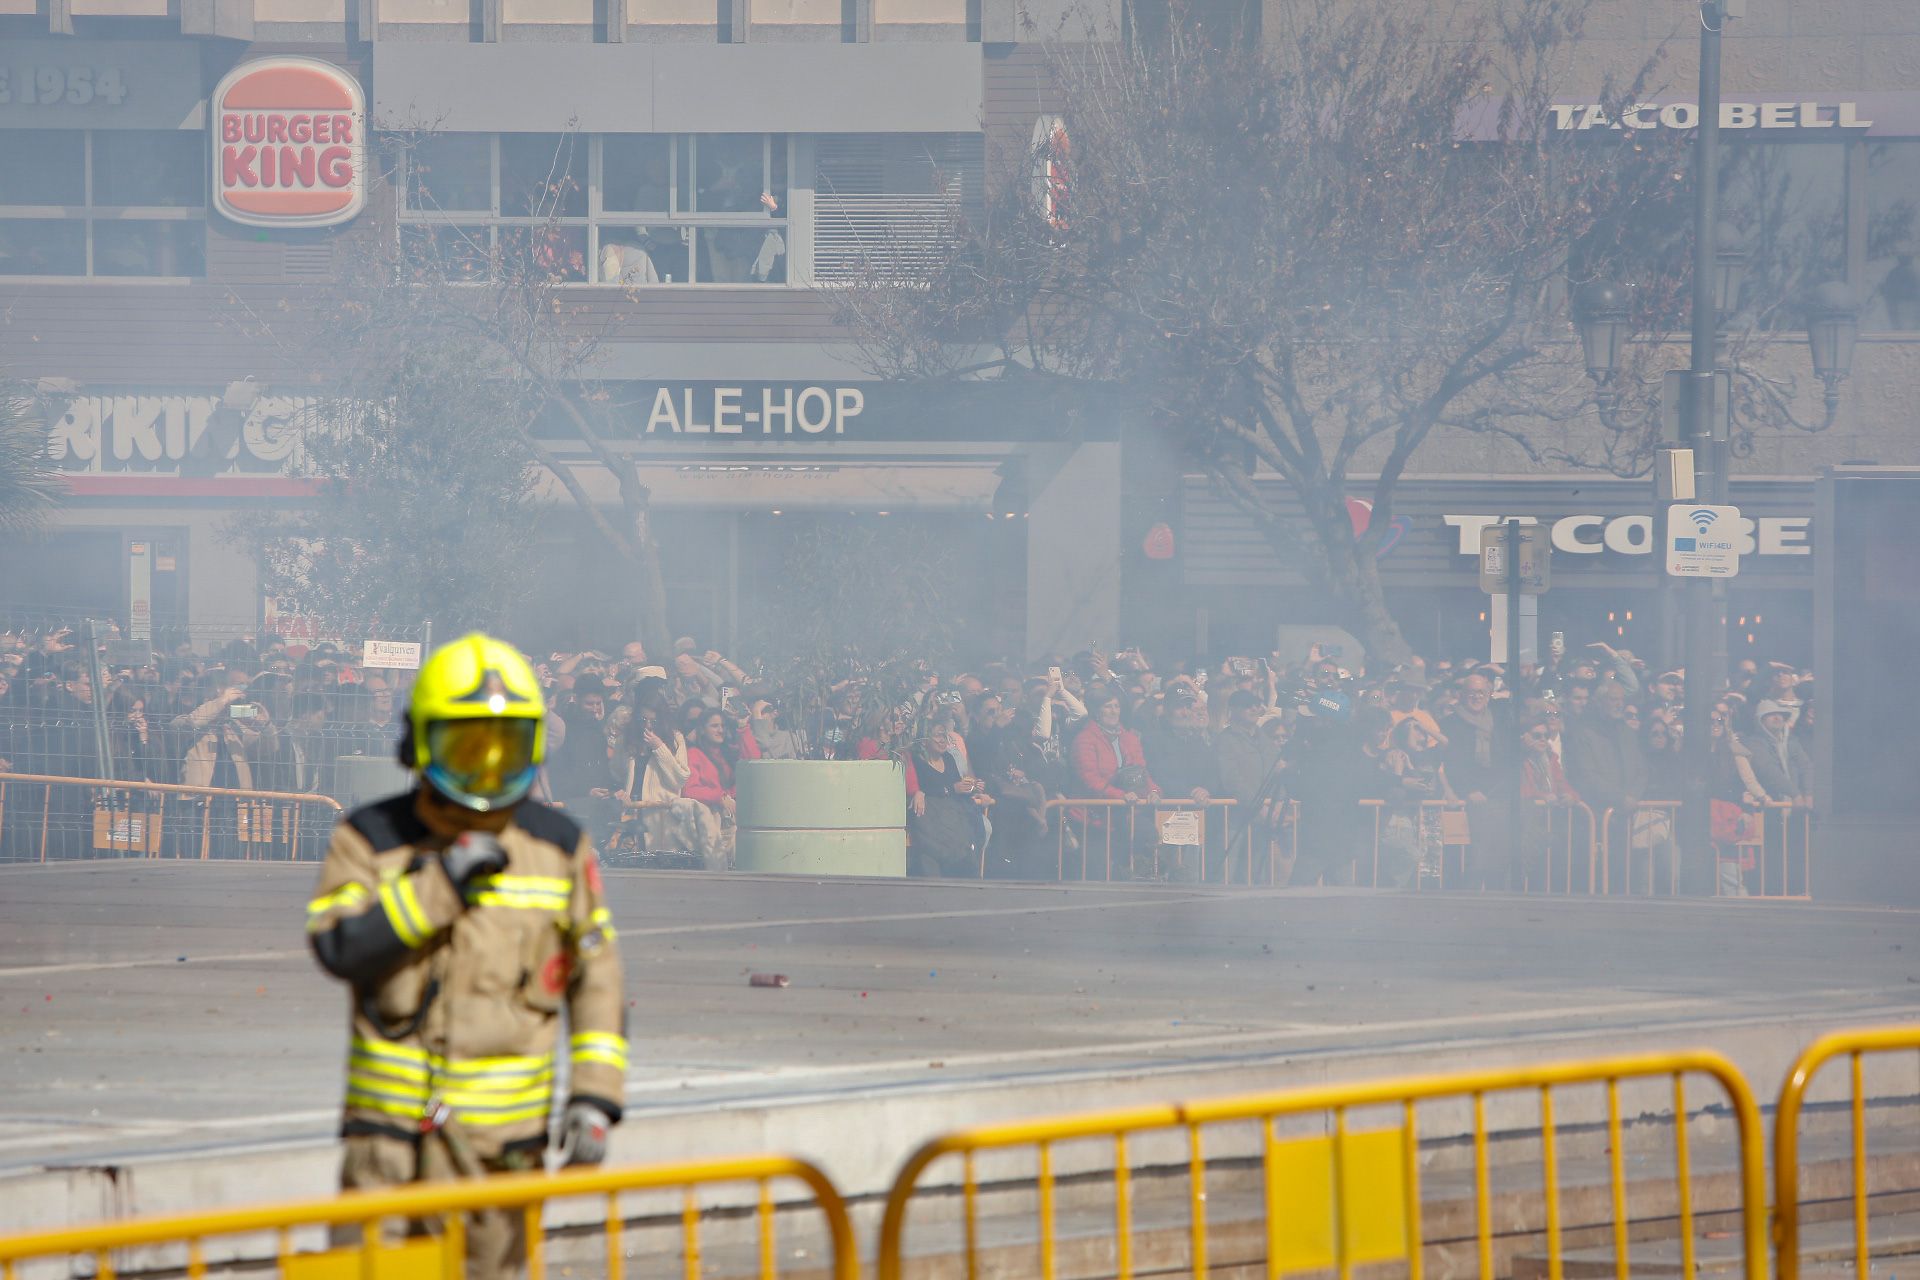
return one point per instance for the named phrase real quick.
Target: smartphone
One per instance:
(1242, 667)
(1558, 644)
(1053, 674)
(243, 711)
(1329, 651)
(726, 697)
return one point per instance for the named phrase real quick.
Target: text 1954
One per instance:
(69, 86)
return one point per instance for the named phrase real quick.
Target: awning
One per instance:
(800, 485)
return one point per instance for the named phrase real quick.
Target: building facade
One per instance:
(172, 172)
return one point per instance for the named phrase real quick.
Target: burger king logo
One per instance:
(289, 145)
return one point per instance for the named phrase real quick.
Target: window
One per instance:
(126, 203)
(617, 209)
(1892, 284)
(888, 204)
(1786, 199)
(1789, 200)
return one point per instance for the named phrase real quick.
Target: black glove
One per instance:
(475, 853)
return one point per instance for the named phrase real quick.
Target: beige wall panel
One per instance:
(796, 13)
(548, 12)
(671, 12)
(948, 12)
(300, 10)
(422, 10)
(119, 8)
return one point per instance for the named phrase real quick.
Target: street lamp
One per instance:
(1600, 310)
(1833, 323)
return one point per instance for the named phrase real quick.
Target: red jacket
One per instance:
(703, 773)
(1552, 787)
(1094, 762)
(869, 749)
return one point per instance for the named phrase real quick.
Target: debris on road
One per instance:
(767, 980)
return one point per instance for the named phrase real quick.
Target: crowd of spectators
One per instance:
(1000, 760)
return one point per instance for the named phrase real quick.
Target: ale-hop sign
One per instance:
(289, 144)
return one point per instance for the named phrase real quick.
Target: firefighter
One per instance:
(464, 917)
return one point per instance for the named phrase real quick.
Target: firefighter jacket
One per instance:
(457, 1000)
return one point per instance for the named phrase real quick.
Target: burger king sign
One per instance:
(289, 146)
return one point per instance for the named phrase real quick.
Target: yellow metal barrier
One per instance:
(448, 1201)
(1786, 1137)
(1099, 822)
(1352, 1197)
(1789, 816)
(1579, 809)
(1652, 825)
(110, 821)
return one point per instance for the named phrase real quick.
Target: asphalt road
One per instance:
(155, 1007)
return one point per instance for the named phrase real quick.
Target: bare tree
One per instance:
(415, 295)
(30, 486)
(1304, 258)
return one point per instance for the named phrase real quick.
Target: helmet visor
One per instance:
(481, 763)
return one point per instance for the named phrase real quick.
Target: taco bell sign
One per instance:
(289, 144)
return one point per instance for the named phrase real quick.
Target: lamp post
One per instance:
(1833, 322)
(1600, 310)
(1719, 269)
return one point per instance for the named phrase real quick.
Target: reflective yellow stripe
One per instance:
(529, 1063)
(345, 896)
(520, 901)
(392, 903)
(417, 914)
(388, 1070)
(401, 1080)
(491, 1118)
(495, 1088)
(504, 1100)
(393, 1090)
(367, 1102)
(531, 893)
(602, 919)
(618, 1061)
(524, 884)
(602, 1047)
(601, 1039)
(388, 1049)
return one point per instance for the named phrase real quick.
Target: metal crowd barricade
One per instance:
(179, 1243)
(1095, 824)
(1284, 832)
(1789, 817)
(1854, 1046)
(1432, 824)
(1341, 1197)
(1563, 823)
(77, 818)
(1652, 826)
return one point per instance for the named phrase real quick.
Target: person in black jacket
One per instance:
(1181, 759)
(1607, 766)
(1481, 768)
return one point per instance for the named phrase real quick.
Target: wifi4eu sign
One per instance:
(1703, 541)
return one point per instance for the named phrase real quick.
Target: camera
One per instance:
(243, 711)
(1242, 667)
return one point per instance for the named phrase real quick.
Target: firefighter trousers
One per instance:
(496, 1238)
